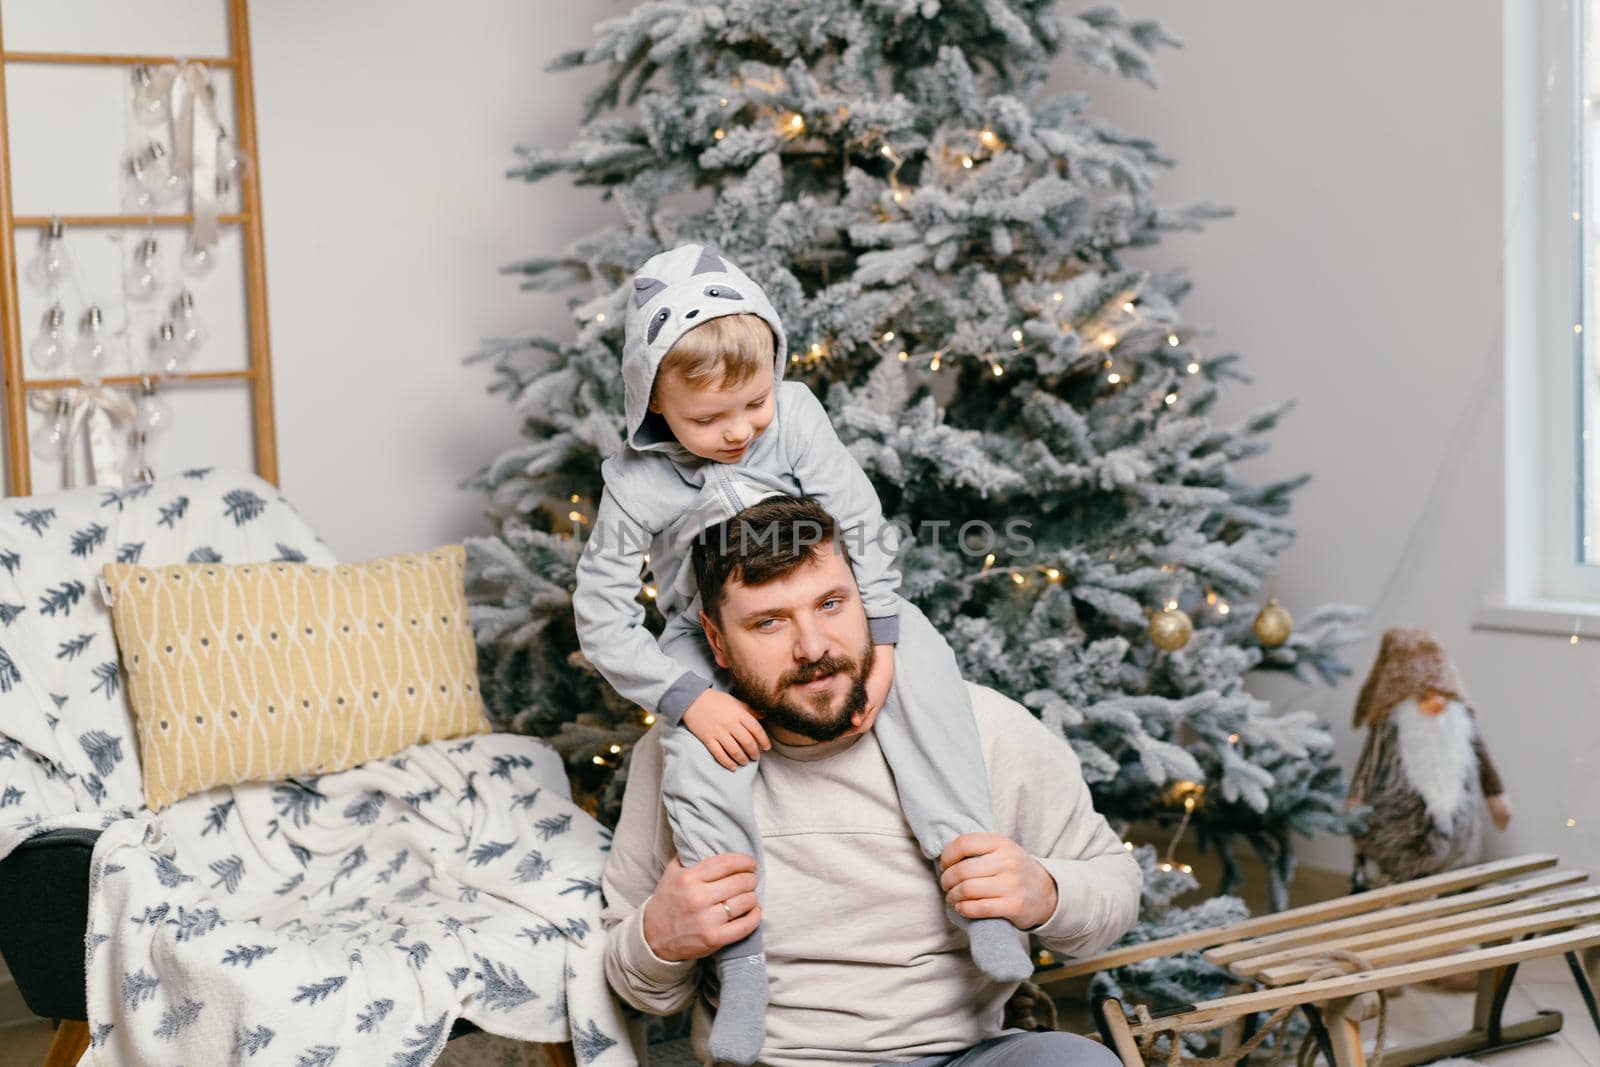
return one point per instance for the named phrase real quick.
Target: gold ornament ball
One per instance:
(1273, 625)
(1170, 629)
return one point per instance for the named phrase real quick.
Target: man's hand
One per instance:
(684, 918)
(879, 681)
(727, 727)
(990, 876)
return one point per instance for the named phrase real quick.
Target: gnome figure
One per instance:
(1424, 768)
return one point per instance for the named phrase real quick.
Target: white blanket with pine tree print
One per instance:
(349, 919)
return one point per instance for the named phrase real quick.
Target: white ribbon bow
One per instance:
(95, 417)
(195, 131)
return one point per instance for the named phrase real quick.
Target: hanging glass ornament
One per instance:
(1273, 625)
(140, 280)
(232, 164)
(191, 328)
(49, 266)
(96, 350)
(1170, 628)
(139, 472)
(49, 348)
(136, 194)
(197, 262)
(152, 414)
(150, 96)
(166, 185)
(169, 356)
(49, 439)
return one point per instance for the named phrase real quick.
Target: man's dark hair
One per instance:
(765, 542)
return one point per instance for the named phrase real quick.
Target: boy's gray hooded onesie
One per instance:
(659, 496)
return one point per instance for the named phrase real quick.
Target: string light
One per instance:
(576, 516)
(575, 498)
(888, 335)
(1108, 338)
(650, 591)
(1233, 739)
(966, 162)
(988, 561)
(1128, 307)
(796, 123)
(933, 364)
(989, 140)
(1053, 574)
(1193, 368)
(903, 355)
(649, 720)
(600, 761)
(719, 133)
(1172, 398)
(1113, 377)
(1172, 340)
(723, 102)
(600, 317)
(1057, 296)
(997, 368)
(1016, 335)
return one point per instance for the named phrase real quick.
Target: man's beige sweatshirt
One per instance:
(863, 965)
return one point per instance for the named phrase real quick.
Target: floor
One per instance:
(1421, 1014)
(1418, 1015)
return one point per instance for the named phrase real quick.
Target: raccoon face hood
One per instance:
(674, 292)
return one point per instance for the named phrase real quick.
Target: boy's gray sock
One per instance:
(740, 1028)
(996, 949)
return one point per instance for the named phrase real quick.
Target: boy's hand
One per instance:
(879, 682)
(727, 727)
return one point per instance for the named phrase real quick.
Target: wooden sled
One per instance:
(1482, 920)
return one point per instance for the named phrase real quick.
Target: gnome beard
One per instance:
(1427, 804)
(1436, 758)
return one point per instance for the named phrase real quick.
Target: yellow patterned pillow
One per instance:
(263, 671)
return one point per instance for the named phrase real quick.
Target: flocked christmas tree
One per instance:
(945, 241)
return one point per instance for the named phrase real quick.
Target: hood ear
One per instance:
(644, 289)
(709, 262)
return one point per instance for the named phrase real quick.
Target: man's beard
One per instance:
(820, 722)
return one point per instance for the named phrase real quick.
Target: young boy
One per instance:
(711, 429)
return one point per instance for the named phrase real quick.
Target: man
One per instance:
(864, 966)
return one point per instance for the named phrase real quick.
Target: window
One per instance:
(1551, 215)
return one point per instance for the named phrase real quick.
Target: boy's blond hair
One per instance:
(721, 353)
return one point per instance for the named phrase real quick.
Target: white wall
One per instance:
(385, 132)
(1361, 145)
(387, 129)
